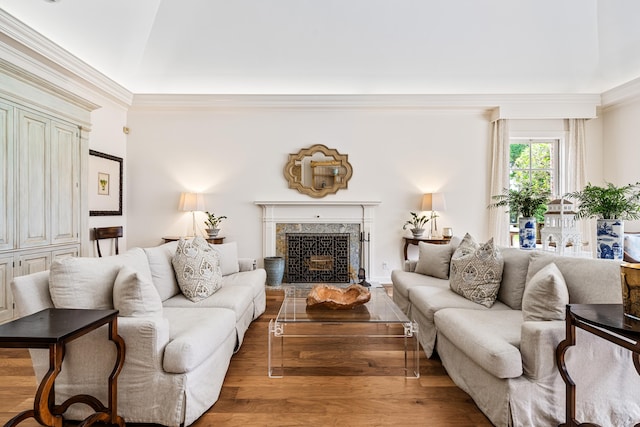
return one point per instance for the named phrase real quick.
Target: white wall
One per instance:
(621, 148)
(238, 156)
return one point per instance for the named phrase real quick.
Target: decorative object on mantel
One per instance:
(630, 276)
(212, 223)
(336, 298)
(274, 266)
(611, 205)
(526, 203)
(318, 170)
(192, 202)
(434, 202)
(417, 223)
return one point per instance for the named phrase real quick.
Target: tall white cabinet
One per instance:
(41, 190)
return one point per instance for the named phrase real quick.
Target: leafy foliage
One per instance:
(416, 221)
(525, 202)
(212, 220)
(608, 202)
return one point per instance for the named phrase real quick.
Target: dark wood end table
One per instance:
(53, 328)
(212, 240)
(606, 321)
(416, 240)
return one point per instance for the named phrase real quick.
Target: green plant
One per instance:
(525, 202)
(416, 221)
(608, 202)
(213, 221)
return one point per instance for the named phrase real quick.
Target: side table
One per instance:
(415, 240)
(53, 328)
(212, 240)
(606, 321)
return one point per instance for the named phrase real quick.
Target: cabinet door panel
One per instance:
(34, 173)
(7, 204)
(6, 300)
(34, 262)
(64, 184)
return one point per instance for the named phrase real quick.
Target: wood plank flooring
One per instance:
(340, 382)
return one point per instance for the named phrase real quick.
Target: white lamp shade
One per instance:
(190, 202)
(434, 202)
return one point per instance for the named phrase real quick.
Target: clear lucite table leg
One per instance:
(276, 349)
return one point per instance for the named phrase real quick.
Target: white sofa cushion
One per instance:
(490, 337)
(433, 260)
(135, 296)
(81, 282)
(195, 335)
(546, 295)
(228, 253)
(514, 276)
(476, 271)
(197, 268)
(162, 272)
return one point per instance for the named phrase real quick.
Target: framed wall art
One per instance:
(105, 184)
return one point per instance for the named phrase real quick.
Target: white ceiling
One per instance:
(347, 46)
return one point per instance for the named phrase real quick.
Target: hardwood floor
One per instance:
(341, 382)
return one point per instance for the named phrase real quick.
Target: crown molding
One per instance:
(621, 95)
(585, 104)
(59, 64)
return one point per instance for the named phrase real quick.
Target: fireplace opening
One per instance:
(317, 257)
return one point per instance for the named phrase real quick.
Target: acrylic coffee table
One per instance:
(378, 318)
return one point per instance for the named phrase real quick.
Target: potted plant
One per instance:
(417, 223)
(212, 223)
(526, 203)
(610, 205)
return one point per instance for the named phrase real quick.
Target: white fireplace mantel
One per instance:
(312, 211)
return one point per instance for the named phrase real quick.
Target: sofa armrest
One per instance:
(31, 293)
(247, 264)
(145, 339)
(538, 344)
(410, 265)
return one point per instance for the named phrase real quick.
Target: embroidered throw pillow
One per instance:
(476, 271)
(546, 295)
(197, 268)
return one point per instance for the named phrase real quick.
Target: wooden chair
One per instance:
(107, 233)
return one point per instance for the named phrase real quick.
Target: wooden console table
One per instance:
(415, 240)
(53, 328)
(212, 240)
(606, 321)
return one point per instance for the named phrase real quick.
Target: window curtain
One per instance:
(498, 218)
(575, 167)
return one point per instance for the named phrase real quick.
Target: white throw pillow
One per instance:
(197, 268)
(546, 295)
(476, 273)
(134, 296)
(228, 253)
(434, 260)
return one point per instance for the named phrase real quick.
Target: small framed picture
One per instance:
(105, 184)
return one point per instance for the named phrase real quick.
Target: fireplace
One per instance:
(351, 218)
(318, 258)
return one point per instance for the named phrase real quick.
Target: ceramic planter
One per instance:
(610, 238)
(527, 232)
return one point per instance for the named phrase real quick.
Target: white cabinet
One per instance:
(39, 194)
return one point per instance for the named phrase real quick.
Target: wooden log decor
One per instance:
(335, 298)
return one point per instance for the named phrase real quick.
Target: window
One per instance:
(535, 162)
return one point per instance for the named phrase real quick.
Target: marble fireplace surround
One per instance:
(276, 212)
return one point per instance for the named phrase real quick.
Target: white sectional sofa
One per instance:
(506, 364)
(177, 351)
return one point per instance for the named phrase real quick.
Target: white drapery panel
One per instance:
(498, 218)
(576, 175)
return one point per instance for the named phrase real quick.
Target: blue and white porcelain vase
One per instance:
(610, 238)
(527, 232)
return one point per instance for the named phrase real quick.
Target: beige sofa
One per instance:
(177, 351)
(507, 365)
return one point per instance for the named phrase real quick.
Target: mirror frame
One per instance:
(293, 170)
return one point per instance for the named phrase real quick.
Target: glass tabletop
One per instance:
(379, 309)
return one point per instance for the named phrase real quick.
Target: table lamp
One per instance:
(434, 202)
(192, 202)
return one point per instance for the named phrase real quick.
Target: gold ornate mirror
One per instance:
(318, 171)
